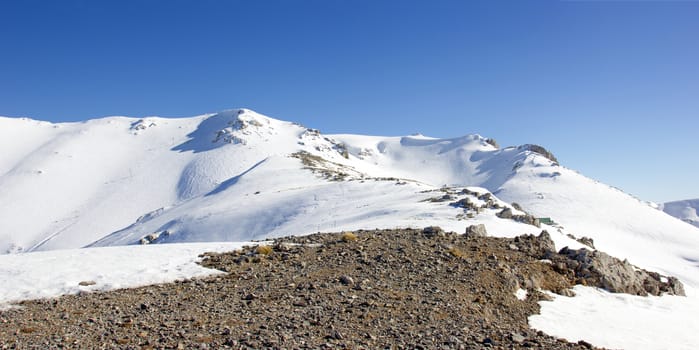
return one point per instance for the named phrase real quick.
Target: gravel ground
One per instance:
(392, 289)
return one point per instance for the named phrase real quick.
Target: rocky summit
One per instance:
(394, 289)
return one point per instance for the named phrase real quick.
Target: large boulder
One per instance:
(476, 231)
(505, 213)
(465, 203)
(605, 271)
(431, 231)
(527, 219)
(540, 247)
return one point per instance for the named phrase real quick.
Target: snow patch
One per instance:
(521, 294)
(54, 273)
(622, 321)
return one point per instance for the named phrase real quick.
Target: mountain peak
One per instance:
(242, 124)
(540, 151)
(685, 210)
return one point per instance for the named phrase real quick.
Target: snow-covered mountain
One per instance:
(234, 175)
(238, 175)
(685, 210)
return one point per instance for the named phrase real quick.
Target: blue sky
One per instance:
(611, 87)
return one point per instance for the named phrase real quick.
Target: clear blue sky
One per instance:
(611, 87)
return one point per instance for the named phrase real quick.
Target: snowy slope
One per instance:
(73, 180)
(238, 175)
(619, 224)
(53, 273)
(685, 210)
(69, 185)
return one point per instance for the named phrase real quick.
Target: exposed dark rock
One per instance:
(492, 142)
(505, 214)
(527, 219)
(587, 241)
(540, 247)
(445, 198)
(346, 280)
(476, 231)
(385, 289)
(432, 231)
(469, 192)
(486, 196)
(517, 338)
(403, 289)
(465, 203)
(600, 269)
(540, 150)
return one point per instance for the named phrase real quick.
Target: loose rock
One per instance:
(403, 289)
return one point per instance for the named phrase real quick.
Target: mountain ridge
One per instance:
(130, 184)
(685, 210)
(205, 133)
(239, 175)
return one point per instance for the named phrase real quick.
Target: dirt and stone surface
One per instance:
(383, 289)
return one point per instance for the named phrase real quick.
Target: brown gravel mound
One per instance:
(395, 289)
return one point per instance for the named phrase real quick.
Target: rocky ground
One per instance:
(396, 289)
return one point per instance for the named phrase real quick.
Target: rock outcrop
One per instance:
(599, 269)
(605, 271)
(539, 150)
(407, 289)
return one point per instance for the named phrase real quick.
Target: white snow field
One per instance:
(622, 321)
(52, 273)
(685, 210)
(238, 175)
